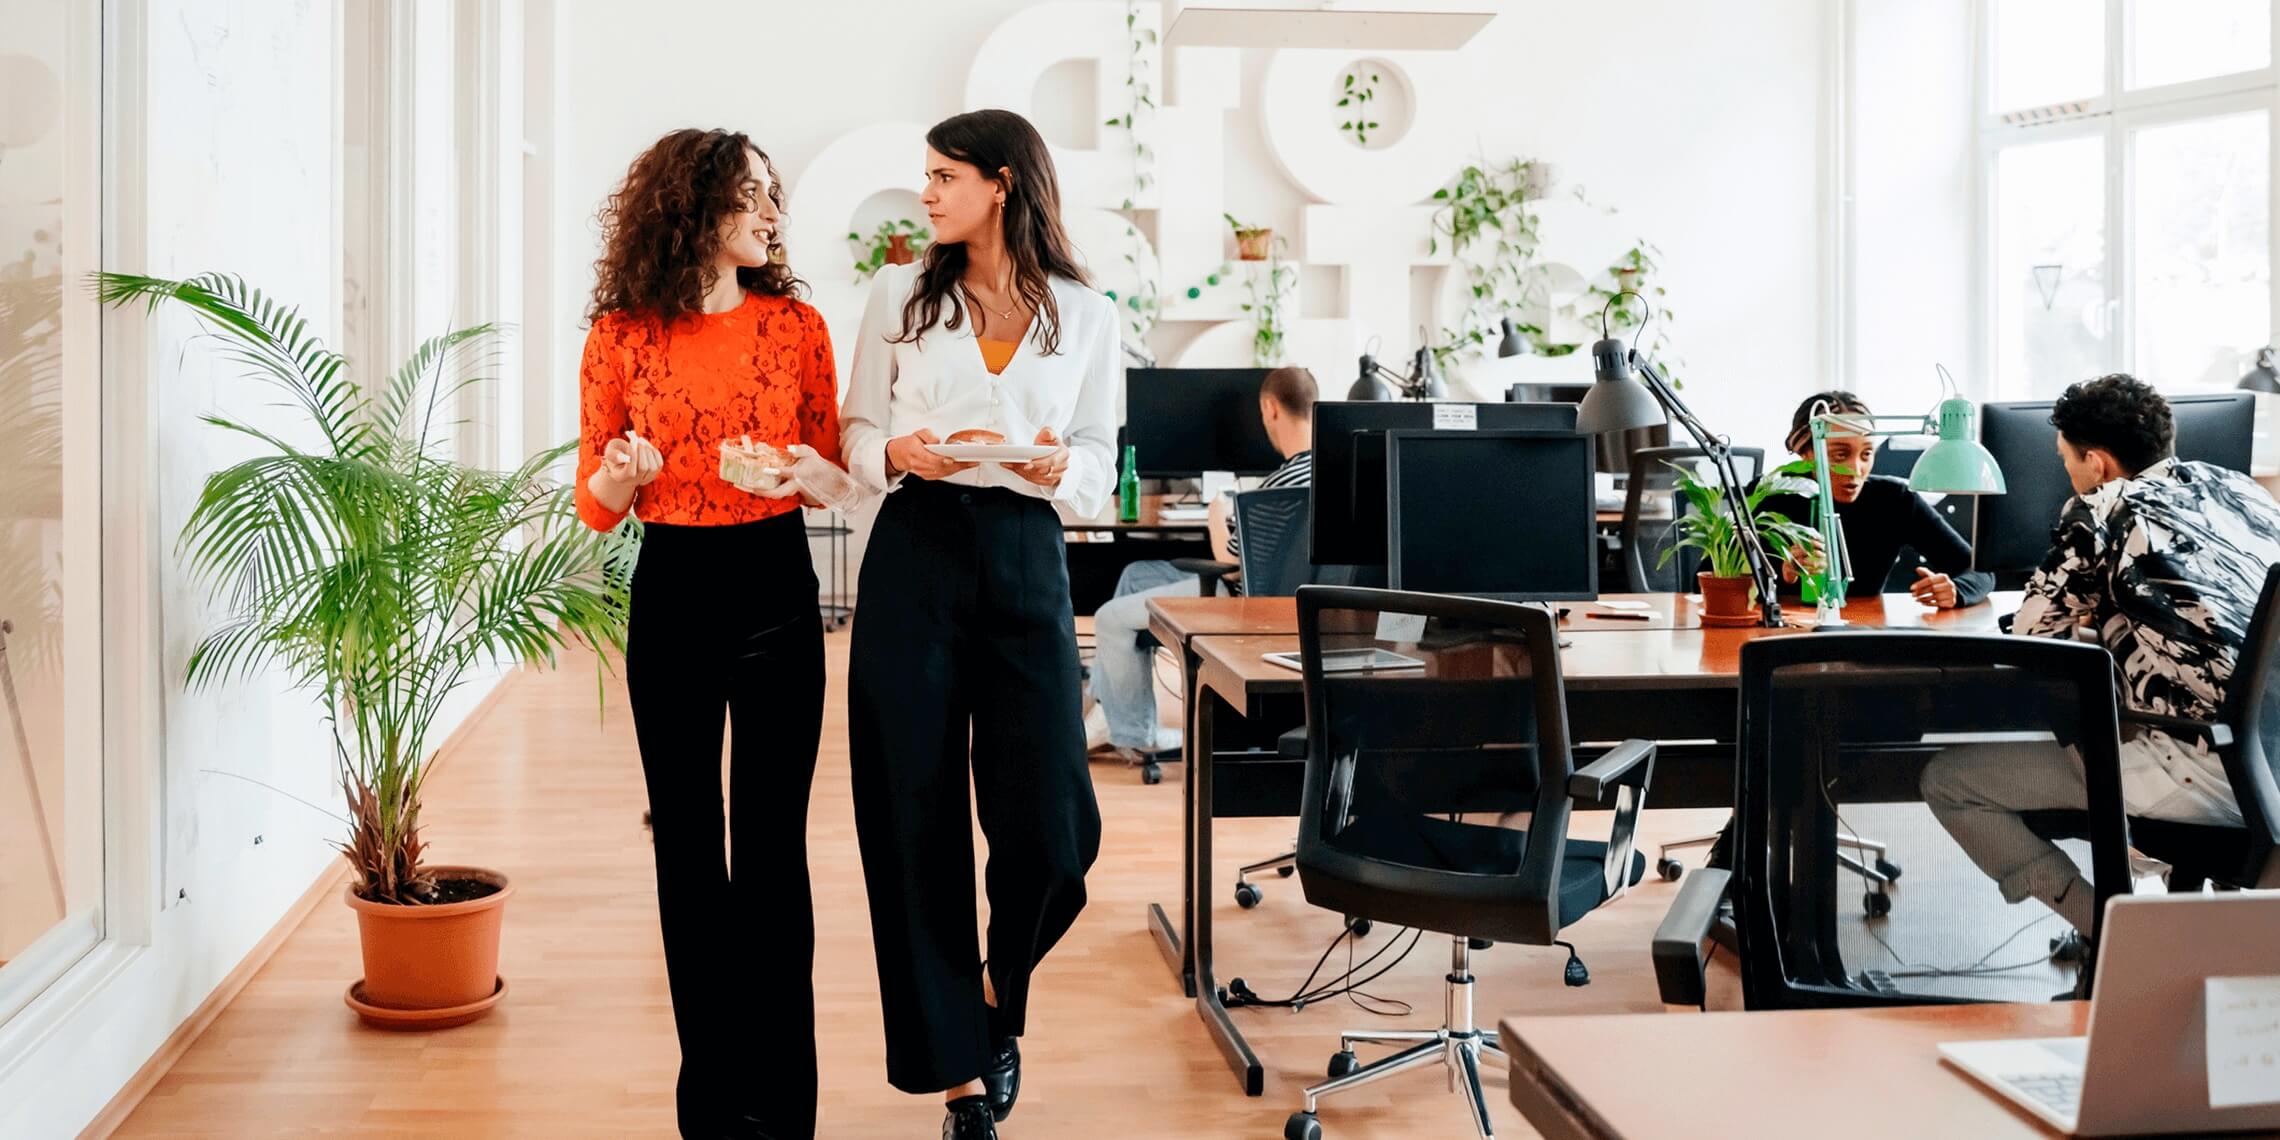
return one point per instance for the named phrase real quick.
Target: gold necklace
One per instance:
(1005, 314)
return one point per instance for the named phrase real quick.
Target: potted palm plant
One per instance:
(1707, 525)
(378, 573)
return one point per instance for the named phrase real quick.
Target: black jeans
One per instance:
(964, 647)
(724, 622)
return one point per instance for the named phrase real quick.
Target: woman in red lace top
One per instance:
(698, 338)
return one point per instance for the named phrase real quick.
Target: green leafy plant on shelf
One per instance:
(1708, 525)
(1487, 218)
(898, 242)
(1357, 92)
(355, 555)
(1268, 303)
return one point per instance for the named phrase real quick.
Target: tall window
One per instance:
(51, 757)
(2129, 179)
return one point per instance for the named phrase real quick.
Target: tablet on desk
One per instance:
(1348, 661)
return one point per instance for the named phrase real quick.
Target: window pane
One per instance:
(2202, 268)
(2052, 327)
(2173, 41)
(2048, 51)
(49, 772)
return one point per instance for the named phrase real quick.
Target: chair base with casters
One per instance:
(1880, 871)
(1458, 1046)
(1290, 746)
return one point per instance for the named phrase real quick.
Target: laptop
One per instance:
(2142, 1068)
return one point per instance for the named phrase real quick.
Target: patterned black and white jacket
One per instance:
(2164, 569)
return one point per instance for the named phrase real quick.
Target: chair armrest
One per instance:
(1627, 763)
(2218, 735)
(1292, 745)
(1678, 954)
(1204, 566)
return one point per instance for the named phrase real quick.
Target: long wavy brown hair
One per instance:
(661, 228)
(1035, 243)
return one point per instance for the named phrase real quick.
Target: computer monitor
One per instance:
(1546, 393)
(1182, 422)
(1492, 514)
(1347, 516)
(2011, 531)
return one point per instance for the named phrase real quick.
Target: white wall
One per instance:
(1915, 195)
(1702, 123)
(240, 175)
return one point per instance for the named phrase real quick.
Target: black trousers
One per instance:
(964, 647)
(724, 623)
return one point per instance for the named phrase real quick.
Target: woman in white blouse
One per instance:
(964, 655)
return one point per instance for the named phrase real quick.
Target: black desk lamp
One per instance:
(1377, 382)
(1618, 402)
(2263, 377)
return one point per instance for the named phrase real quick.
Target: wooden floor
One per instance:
(583, 1046)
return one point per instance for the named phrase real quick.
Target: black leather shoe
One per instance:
(1003, 1078)
(969, 1118)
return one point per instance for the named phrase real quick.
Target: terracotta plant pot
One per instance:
(1254, 245)
(898, 250)
(430, 966)
(1726, 601)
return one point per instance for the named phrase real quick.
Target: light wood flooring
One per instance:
(548, 789)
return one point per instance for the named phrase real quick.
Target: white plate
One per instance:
(990, 452)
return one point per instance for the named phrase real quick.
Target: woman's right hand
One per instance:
(907, 455)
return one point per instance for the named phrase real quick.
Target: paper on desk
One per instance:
(1217, 483)
(2244, 1041)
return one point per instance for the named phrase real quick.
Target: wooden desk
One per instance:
(1693, 671)
(1151, 518)
(1862, 1074)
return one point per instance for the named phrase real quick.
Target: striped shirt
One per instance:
(1296, 471)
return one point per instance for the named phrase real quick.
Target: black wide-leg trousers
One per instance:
(724, 625)
(964, 667)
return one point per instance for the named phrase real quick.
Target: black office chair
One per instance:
(1651, 471)
(1477, 724)
(1841, 717)
(2246, 736)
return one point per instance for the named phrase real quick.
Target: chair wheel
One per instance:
(2066, 947)
(1670, 869)
(1343, 1062)
(1246, 895)
(1285, 871)
(1302, 1126)
(1360, 926)
(1888, 869)
(1876, 903)
(1151, 773)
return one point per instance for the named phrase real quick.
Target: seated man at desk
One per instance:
(1878, 515)
(1123, 677)
(2162, 561)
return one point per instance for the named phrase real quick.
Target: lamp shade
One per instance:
(2264, 377)
(1957, 464)
(1617, 405)
(1512, 343)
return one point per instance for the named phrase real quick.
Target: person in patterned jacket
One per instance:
(2161, 561)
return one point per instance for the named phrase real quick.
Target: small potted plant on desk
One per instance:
(1707, 525)
(357, 557)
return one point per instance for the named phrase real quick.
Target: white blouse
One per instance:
(940, 383)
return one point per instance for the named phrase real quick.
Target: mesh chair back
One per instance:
(1273, 528)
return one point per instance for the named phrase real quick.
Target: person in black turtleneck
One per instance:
(1880, 515)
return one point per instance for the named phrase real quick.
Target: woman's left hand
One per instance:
(1933, 589)
(1047, 470)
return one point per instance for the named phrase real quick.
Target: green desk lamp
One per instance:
(1956, 465)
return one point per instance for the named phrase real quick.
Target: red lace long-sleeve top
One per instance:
(762, 369)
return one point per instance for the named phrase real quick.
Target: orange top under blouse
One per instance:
(996, 354)
(762, 369)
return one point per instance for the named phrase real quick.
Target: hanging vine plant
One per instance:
(1630, 296)
(1356, 94)
(1268, 304)
(1487, 218)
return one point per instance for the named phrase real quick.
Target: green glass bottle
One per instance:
(1128, 487)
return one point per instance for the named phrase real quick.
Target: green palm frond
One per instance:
(375, 572)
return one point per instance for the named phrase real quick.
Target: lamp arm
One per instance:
(1730, 486)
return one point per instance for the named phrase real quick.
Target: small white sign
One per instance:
(1400, 629)
(1217, 483)
(2244, 1041)
(1456, 417)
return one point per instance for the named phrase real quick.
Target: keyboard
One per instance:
(2059, 1092)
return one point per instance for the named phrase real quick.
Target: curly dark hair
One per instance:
(661, 228)
(1034, 241)
(2120, 415)
(1837, 401)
